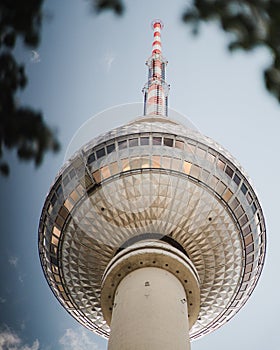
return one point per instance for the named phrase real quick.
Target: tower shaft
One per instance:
(150, 297)
(150, 312)
(156, 90)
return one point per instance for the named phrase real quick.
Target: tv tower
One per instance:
(152, 234)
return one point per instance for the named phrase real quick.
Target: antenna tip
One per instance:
(157, 23)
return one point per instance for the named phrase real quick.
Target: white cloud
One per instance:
(13, 260)
(9, 340)
(2, 300)
(77, 340)
(20, 278)
(109, 59)
(35, 57)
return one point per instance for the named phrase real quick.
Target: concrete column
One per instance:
(150, 312)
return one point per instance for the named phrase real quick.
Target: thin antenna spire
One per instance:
(156, 90)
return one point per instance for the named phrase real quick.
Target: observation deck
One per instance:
(152, 176)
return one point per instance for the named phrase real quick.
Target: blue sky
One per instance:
(88, 63)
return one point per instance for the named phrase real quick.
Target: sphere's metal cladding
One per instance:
(156, 177)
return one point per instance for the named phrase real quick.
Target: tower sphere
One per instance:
(153, 183)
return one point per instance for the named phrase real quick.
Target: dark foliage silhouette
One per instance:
(252, 23)
(21, 128)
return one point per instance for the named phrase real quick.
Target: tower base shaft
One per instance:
(150, 312)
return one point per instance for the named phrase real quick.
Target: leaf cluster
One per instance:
(251, 23)
(21, 127)
(112, 5)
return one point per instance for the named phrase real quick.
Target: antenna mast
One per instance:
(156, 89)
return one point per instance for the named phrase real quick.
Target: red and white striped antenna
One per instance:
(156, 90)
(157, 26)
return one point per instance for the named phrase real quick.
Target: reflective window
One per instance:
(234, 204)
(133, 142)
(105, 171)
(144, 141)
(248, 239)
(54, 260)
(227, 195)
(59, 221)
(220, 164)
(50, 208)
(243, 220)
(250, 259)
(56, 231)
(53, 199)
(176, 164)
(239, 296)
(54, 240)
(97, 176)
(72, 173)
(213, 181)
(114, 168)
(239, 211)
(247, 230)
(145, 162)
(54, 269)
(111, 148)
(229, 171)
(211, 157)
(195, 171)
(63, 212)
(249, 268)
(249, 198)
(168, 142)
(156, 141)
(254, 208)
(187, 167)
(135, 163)
(249, 249)
(59, 190)
(190, 148)
(156, 162)
(69, 304)
(68, 204)
(236, 179)
(57, 278)
(205, 174)
(179, 144)
(228, 312)
(91, 158)
(122, 144)
(243, 287)
(65, 180)
(166, 162)
(125, 164)
(201, 152)
(100, 153)
(220, 187)
(244, 188)
(74, 195)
